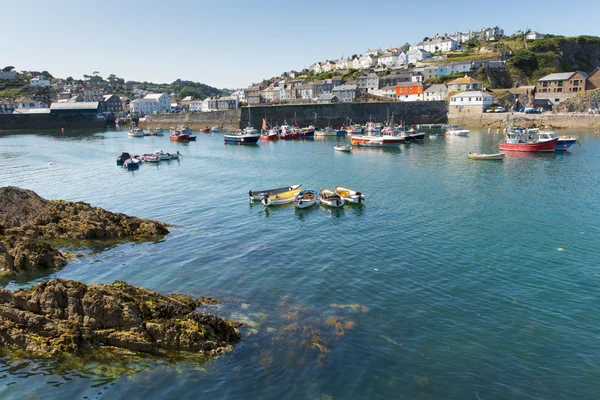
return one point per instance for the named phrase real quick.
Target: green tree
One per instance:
(8, 68)
(426, 38)
(524, 60)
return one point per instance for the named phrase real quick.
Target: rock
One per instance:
(65, 316)
(27, 221)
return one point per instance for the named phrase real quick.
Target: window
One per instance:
(560, 84)
(544, 84)
(557, 100)
(559, 90)
(575, 83)
(469, 99)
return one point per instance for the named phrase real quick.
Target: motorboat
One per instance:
(377, 141)
(519, 140)
(135, 132)
(562, 144)
(328, 131)
(484, 156)
(247, 136)
(122, 158)
(458, 132)
(412, 135)
(132, 163)
(330, 198)
(280, 198)
(205, 130)
(306, 198)
(343, 147)
(349, 195)
(272, 134)
(258, 195)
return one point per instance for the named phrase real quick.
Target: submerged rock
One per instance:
(65, 316)
(27, 221)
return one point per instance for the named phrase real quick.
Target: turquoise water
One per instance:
(456, 279)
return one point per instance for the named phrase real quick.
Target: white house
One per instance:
(195, 106)
(367, 61)
(329, 66)
(373, 52)
(344, 63)
(316, 68)
(402, 59)
(27, 102)
(436, 92)
(152, 103)
(416, 55)
(533, 35)
(437, 44)
(470, 102)
(388, 59)
(356, 63)
(459, 66)
(39, 81)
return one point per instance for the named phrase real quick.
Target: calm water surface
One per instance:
(457, 278)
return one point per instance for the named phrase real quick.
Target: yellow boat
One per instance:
(281, 198)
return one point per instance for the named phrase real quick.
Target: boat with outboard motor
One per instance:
(258, 195)
(306, 198)
(349, 195)
(330, 198)
(280, 198)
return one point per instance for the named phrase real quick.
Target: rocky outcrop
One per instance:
(64, 316)
(27, 222)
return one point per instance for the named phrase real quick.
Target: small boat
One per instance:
(154, 132)
(413, 136)
(122, 158)
(349, 195)
(132, 163)
(258, 195)
(178, 136)
(150, 158)
(307, 133)
(306, 198)
(164, 156)
(280, 198)
(215, 129)
(458, 132)
(483, 156)
(205, 130)
(518, 140)
(377, 141)
(330, 198)
(345, 147)
(563, 143)
(329, 131)
(270, 135)
(135, 132)
(436, 135)
(247, 136)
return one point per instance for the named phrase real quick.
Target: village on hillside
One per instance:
(474, 72)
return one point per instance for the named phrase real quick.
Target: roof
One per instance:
(31, 111)
(436, 88)
(84, 105)
(561, 76)
(466, 79)
(327, 96)
(343, 87)
(408, 84)
(472, 93)
(153, 96)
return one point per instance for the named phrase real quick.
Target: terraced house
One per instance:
(560, 86)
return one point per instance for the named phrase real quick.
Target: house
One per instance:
(112, 103)
(7, 105)
(482, 34)
(316, 68)
(436, 93)
(345, 93)
(416, 55)
(388, 59)
(593, 81)
(39, 81)
(356, 63)
(459, 67)
(10, 75)
(367, 61)
(374, 52)
(394, 78)
(195, 106)
(437, 44)
(29, 103)
(560, 86)
(368, 82)
(463, 84)
(91, 107)
(305, 91)
(343, 64)
(254, 99)
(227, 103)
(386, 91)
(409, 91)
(328, 66)
(402, 58)
(533, 35)
(240, 94)
(475, 102)
(271, 94)
(152, 103)
(327, 98)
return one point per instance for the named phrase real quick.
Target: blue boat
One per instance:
(247, 136)
(563, 143)
(341, 132)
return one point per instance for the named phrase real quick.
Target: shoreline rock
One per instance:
(28, 221)
(62, 316)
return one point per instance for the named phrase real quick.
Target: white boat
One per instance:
(135, 132)
(483, 156)
(330, 198)
(306, 198)
(345, 147)
(326, 132)
(458, 132)
(215, 129)
(349, 195)
(436, 135)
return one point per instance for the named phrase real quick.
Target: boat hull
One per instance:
(241, 139)
(350, 196)
(377, 141)
(258, 195)
(269, 137)
(307, 134)
(460, 132)
(543, 147)
(497, 156)
(564, 144)
(306, 198)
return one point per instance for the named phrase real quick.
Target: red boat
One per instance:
(206, 130)
(271, 135)
(377, 141)
(178, 136)
(517, 141)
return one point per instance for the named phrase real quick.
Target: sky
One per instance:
(234, 43)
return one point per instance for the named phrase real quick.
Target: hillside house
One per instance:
(345, 93)
(368, 61)
(151, 103)
(415, 55)
(328, 66)
(10, 75)
(29, 103)
(327, 98)
(464, 84)
(39, 81)
(388, 59)
(112, 103)
(533, 35)
(436, 92)
(409, 91)
(473, 102)
(368, 82)
(560, 86)
(593, 81)
(437, 44)
(459, 67)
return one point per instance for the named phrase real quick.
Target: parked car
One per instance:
(500, 109)
(530, 110)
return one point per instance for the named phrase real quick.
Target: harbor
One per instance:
(448, 278)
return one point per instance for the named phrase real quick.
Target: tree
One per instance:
(426, 38)
(525, 60)
(353, 56)
(69, 80)
(8, 68)
(406, 46)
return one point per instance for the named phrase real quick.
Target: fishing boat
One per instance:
(518, 140)
(483, 156)
(349, 195)
(177, 135)
(307, 133)
(205, 130)
(150, 158)
(135, 132)
(413, 136)
(247, 136)
(330, 198)
(272, 134)
(288, 133)
(377, 141)
(280, 198)
(328, 131)
(458, 132)
(132, 163)
(258, 195)
(154, 132)
(306, 198)
(562, 144)
(344, 147)
(122, 158)
(215, 129)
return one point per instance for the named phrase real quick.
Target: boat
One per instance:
(122, 158)
(178, 136)
(215, 129)
(154, 132)
(288, 133)
(330, 198)
(436, 135)
(563, 143)
(412, 135)
(328, 131)
(307, 133)
(345, 147)
(247, 136)
(132, 163)
(377, 141)
(483, 156)
(135, 132)
(270, 135)
(306, 198)
(150, 158)
(166, 156)
(205, 130)
(349, 195)
(280, 198)
(518, 140)
(458, 132)
(258, 195)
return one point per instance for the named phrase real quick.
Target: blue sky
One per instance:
(235, 43)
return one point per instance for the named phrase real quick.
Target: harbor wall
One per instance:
(551, 120)
(50, 121)
(425, 112)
